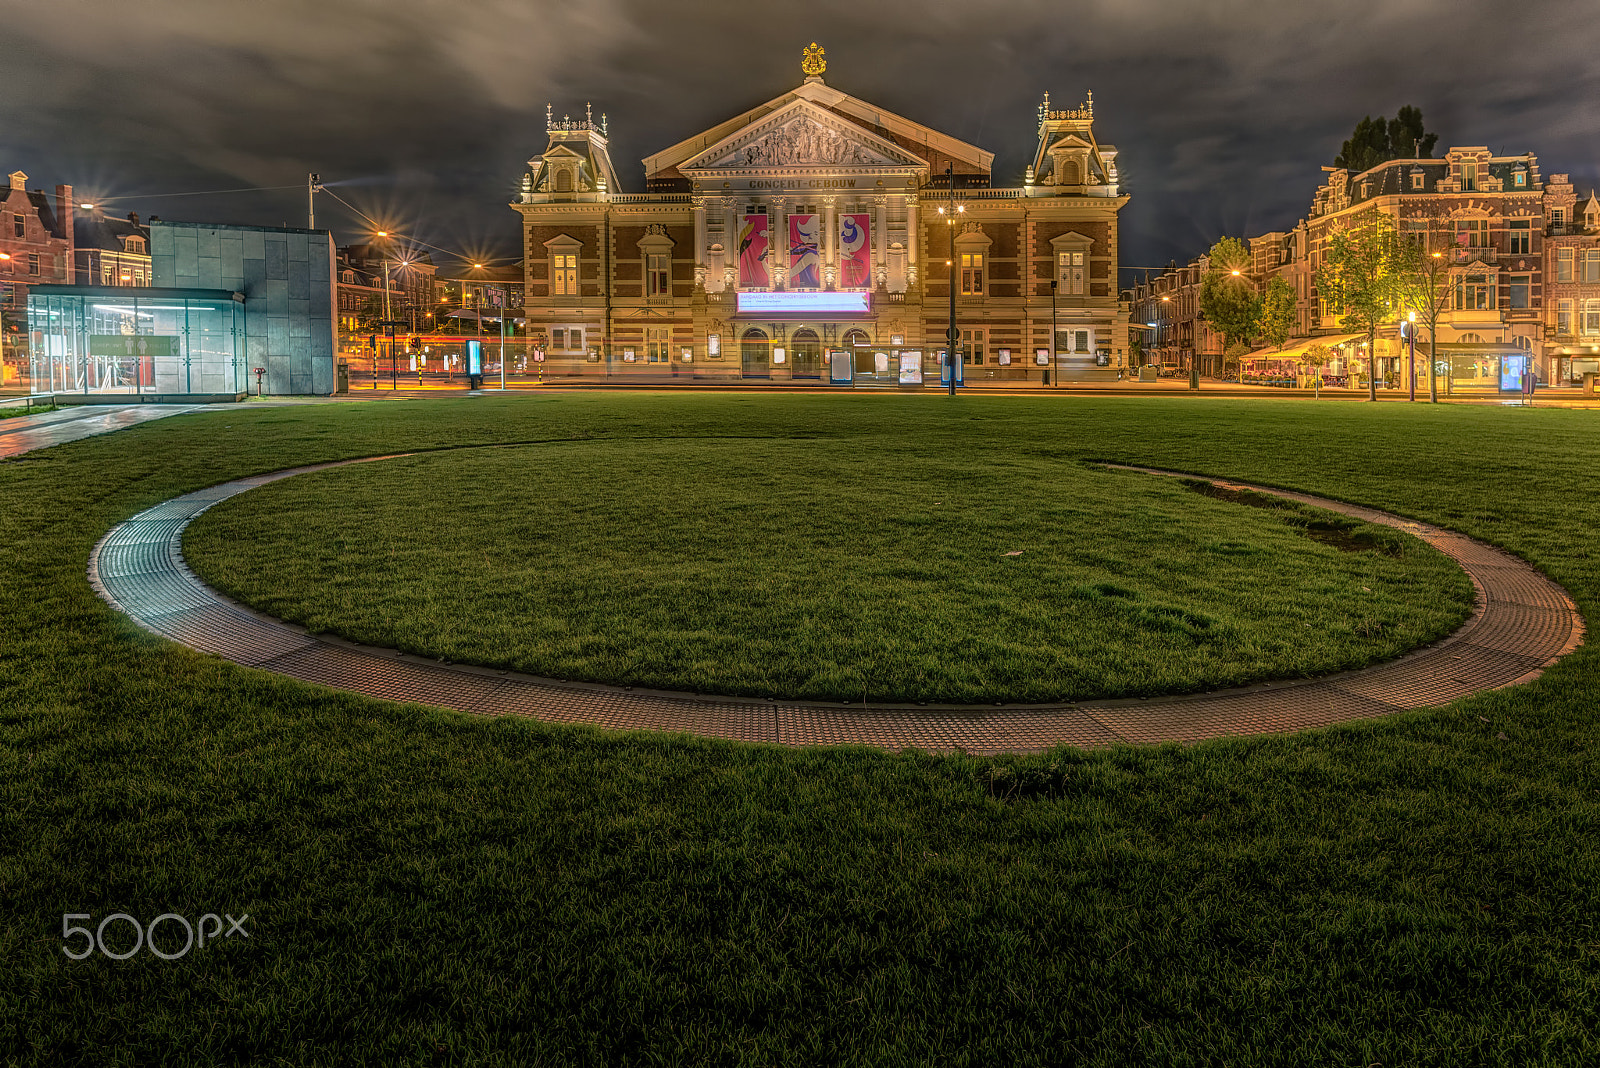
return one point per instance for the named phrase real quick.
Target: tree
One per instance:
(1422, 285)
(1360, 277)
(1227, 299)
(1277, 312)
(1314, 359)
(1380, 140)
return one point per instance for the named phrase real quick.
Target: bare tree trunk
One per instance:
(1372, 363)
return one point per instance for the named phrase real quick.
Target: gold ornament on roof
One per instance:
(812, 62)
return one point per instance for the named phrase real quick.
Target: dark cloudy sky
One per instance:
(422, 111)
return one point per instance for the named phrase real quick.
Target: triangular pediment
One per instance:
(801, 135)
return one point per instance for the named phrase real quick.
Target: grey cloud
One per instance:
(1223, 109)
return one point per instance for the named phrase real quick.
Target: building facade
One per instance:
(1521, 256)
(110, 251)
(36, 248)
(814, 238)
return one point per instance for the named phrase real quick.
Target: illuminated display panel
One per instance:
(806, 303)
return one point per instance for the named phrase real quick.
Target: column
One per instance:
(830, 243)
(699, 231)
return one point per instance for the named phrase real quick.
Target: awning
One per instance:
(1295, 350)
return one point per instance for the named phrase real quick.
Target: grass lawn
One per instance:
(841, 571)
(426, 888)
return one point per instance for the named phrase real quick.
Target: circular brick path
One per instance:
(1521, 624)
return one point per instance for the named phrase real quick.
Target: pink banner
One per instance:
(855, 251)
(754, 240)
(805, 252)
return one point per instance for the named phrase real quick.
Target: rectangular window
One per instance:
(1069, 268)
(1591, 317)
(1564, 317)
(575, 340)
(1563, 265)
(1558, 217)
(1473, 233)
(656, 340)
(1519, 179)
(1469, 177)
(1520, 240)
(558, 338)
(1416, 181)
(971, 274)
(33, 263)
(1521, 290)
(1415, 231)
(1591, 265)
(1473, 293)
(658, 275)
(20, 225)
(974, 344)
(564, 272)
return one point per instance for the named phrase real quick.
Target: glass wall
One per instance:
(109, 340)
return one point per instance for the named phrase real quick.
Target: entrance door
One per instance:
(754, 353)
(807, 354)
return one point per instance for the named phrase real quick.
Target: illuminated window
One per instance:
(1519, 179)
(972, 274)
(1519, 241)
(1474, 292)
(1069, 273)
(564, 272)
(658, 275)
(1473, 233)
(656, 340)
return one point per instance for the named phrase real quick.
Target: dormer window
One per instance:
(1469, 177)
(134, 245)
(1558, 217)
(1418, 180)
(1519, 178)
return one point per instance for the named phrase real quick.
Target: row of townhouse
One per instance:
(1522, 252)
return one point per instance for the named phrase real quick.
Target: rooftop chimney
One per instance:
(133, 217)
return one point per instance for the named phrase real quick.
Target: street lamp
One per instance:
(953, 334)
(1055, 357)
(1411, 366)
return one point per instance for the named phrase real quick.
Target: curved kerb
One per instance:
(1522, 623)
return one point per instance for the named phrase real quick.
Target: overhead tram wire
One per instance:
(370, 221)
(196, 193)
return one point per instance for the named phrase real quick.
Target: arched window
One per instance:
(1071, 174)
(563, 181)
(754, 353)
(852, 338)
(807, 348)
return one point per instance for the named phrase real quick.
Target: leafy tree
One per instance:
(1380, 140)
(1227, 299)
(1277, 312)
(1313, 360)
(1359, 276)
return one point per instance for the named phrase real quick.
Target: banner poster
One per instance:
(855, 251)
(805, 255)
(753, 242)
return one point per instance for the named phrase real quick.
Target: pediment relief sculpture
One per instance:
(803, 141)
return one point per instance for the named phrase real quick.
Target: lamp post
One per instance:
(1055, 359)
(1411, 366)
(953, 334)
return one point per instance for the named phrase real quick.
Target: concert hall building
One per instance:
(803, 240)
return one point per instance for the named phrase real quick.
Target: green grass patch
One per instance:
(427, 888)
(822, 570)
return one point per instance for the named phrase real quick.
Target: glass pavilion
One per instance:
(136, 340)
